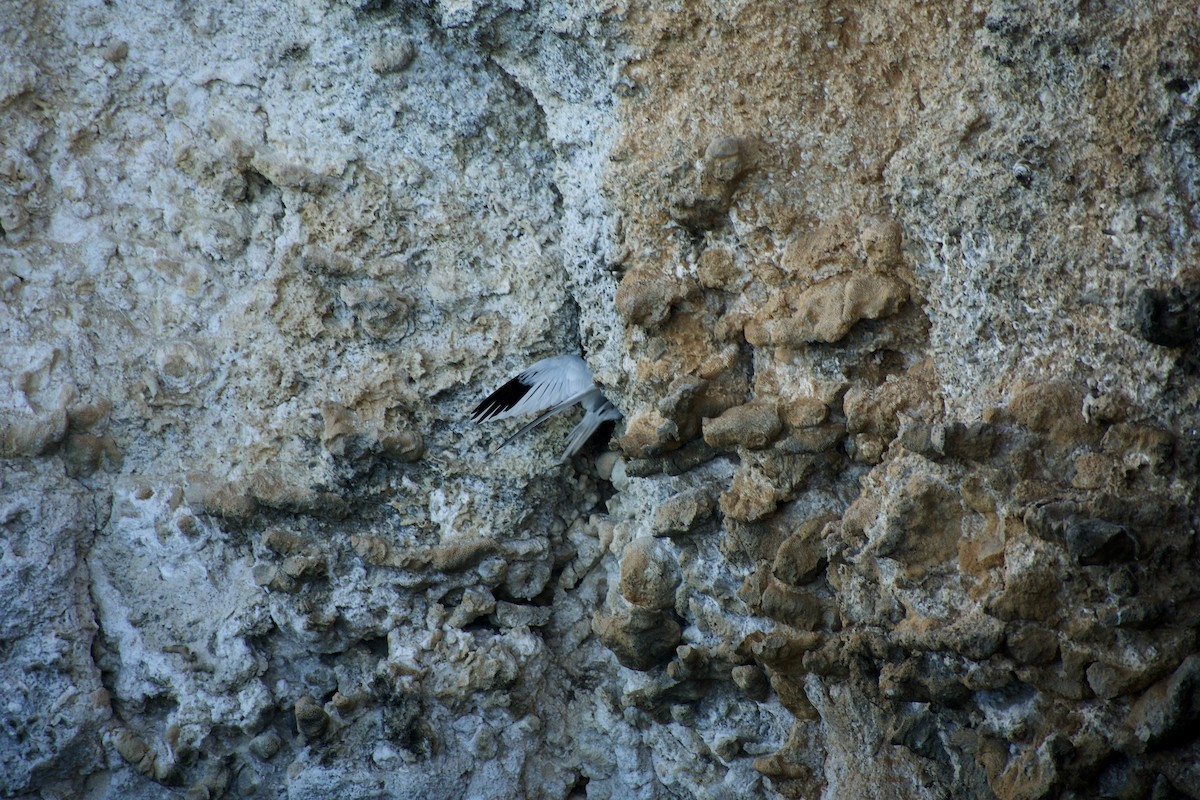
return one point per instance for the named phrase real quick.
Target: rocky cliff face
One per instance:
(901, 306)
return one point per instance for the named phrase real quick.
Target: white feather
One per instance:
(552, 386)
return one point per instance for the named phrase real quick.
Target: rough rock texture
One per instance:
(901, 305)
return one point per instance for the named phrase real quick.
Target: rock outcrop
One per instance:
(900, 304)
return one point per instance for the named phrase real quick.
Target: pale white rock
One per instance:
(251, 255)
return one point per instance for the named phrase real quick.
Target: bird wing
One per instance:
(558, 409)
(551, 382)
(596, 410)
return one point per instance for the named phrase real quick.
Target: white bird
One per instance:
(552, 385)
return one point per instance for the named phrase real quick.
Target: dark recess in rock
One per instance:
(1093, 541)
(1170, 318)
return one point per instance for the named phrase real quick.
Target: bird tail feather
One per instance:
(558, 409)
(580, 434)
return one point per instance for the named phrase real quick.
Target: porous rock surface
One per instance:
(901, 305)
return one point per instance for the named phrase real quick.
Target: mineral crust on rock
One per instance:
(899, 303)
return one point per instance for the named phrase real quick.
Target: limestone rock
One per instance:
(804, 412)
(650, 434)
(751, 680)
(1166, 707)
(752, 425)
(802, 556)
(717, 268)
(253, 277)
(703, 198)
(311, 719)
(646, 301)
(828, 310)
(649, 573)
(48, 629)
(682, 513)
(640, 638)
(1032, 644)
(1052, 407)
(1095, 541)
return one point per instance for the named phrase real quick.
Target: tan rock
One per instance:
(640, 638)
(208, 496)
(23, 436)
(783, 649)
(649, 434)
(752, 425)
(920, 524)
(804, 412)
(1029, 775)
(791, 694)
(750, 497)
(752, 681)
(801, 557)
(645, 299)
(1167, 707)
(1031, 594)
(1054, 408)
(876, 410)
(826, 311)
(798, 608)
(649, 573)
(979, 554)
(725, 159)
(1138, 445)
(85, 453)
(311, 719)
(881, 242)
(683, 512)
(1093, 471)
(716, 268)
(817, 439)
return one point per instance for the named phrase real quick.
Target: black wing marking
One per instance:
(545, 384)
(501, 400)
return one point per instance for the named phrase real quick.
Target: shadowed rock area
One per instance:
(900, 305)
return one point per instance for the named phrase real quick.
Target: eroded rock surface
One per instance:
(899, 303)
